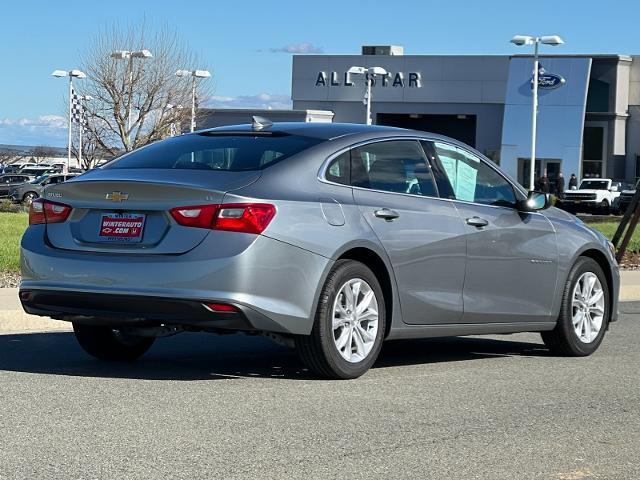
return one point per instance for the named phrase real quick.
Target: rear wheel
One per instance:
(349, 325)
(584, 314)
(110, 344)
(29, 197)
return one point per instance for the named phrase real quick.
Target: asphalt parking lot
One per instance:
(203, 406)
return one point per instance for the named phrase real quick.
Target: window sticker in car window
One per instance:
(466, 182)
(449, 165)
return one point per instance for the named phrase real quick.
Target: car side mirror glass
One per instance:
(535, 201)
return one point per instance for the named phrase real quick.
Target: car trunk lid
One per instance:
(127, 210)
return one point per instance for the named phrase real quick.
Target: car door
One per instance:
(422, 234)
(512, 256)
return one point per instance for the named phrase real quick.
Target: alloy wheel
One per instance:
(587, 307)
(355, 320)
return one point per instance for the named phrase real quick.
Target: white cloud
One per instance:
(303, 47)
(43, 130)
(262, 101)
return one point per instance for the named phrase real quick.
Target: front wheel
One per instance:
(603, 208)
(106, 343)
(349, 324)
(584, 313)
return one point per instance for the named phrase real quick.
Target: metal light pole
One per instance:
(369, 74)
(130, 55)
(70, 74)
(195, 74)
(535, 41)
(172, 128)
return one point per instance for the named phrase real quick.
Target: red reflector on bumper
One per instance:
(220, 307)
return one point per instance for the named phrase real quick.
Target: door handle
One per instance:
(387, 214)
(477, 222)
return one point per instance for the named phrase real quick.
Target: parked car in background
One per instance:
(28, 192)
(40, 170)
(11, 180)
(594, 195)
(328, 237)
(625, 197)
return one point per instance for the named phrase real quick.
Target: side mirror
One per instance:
(535, 201)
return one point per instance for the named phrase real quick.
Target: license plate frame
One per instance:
(118, 227)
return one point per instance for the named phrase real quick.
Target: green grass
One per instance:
(609, 229)
(12, 226)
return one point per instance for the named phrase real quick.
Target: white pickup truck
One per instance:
(594, 195)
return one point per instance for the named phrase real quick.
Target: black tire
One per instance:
(29, 197)
(105, 343)
(603, 208)
(318, 350)
(563, 340)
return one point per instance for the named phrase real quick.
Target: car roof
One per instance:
(330, 131)
(326, 131)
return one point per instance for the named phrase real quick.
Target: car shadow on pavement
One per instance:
(192, 356)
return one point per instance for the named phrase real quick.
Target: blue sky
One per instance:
(237, 39)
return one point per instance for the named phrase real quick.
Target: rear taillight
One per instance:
(45, 211)
(233, 217)
(247, 218)
(200, 216)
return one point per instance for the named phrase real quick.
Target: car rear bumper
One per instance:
(133, 310)
(273, 284)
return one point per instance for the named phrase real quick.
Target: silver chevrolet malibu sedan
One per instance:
(328, 237)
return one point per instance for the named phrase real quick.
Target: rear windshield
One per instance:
(215, 152)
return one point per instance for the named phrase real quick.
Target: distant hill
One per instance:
(26, 150)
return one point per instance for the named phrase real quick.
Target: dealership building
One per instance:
(588, 116)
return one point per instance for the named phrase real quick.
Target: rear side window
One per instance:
(339, 170)
(232, 153)
(398, 166)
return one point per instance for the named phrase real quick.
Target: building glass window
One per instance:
(593, 152)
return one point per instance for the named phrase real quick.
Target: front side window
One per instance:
(471, 180)
(398, 166)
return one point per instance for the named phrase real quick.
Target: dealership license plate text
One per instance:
(122, 227)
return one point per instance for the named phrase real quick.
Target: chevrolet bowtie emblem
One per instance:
(117, 196)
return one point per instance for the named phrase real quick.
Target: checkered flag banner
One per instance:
(77, 109)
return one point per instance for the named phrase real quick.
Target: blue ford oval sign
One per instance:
(550, 81)
(547, 80)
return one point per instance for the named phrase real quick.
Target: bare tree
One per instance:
(147, 88)
(92, 149)
(41, 153)
(7, 157)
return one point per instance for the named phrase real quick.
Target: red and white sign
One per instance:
(125, 227)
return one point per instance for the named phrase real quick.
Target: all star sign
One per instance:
(548, 81)
(391, 79)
